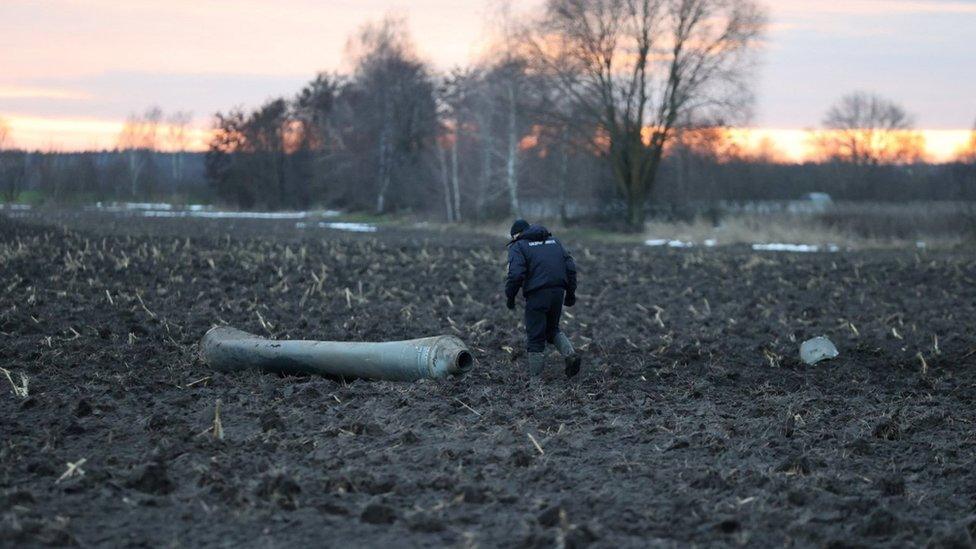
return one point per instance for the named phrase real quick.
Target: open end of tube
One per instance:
(463, 361)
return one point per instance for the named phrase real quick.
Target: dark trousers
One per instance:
(542, 311)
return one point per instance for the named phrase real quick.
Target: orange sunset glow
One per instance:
(786, 145)
(797, 145)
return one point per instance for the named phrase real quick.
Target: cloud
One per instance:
(116, 94)
(874, 7)
(83, 37)
(38, 92)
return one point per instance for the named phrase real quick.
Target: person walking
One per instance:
(545, 272)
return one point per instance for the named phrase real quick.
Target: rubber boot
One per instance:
(570, 355)
(537, 361)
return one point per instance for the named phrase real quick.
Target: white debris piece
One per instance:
(130, 206)
(252, 215)
(226, 215)
(669, 243)
(814, 350)
(206, 211)
(351, 227)
(146, 206)
(780, 247)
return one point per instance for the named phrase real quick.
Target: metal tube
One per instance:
(229, 349)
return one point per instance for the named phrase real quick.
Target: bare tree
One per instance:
(376, 44)
(495, 109)
(510, 76)
(484, 121)
(179, 140)
(318, 140)
(511, 84)
(4, 134)
(138, 139)
(13, 165)
(454, 109)
(968, 152)
(393, 97)
(443, 144)
(866, 129)
(636, 69)
(225, 170)
(503, 96)
(500, 100)
(250, 158)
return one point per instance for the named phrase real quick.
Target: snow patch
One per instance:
(669, 243)
(130, 206)
(225, 215)
(147, 206)
(796, 248)
(162, 209)
(341, 226)
(351, 227)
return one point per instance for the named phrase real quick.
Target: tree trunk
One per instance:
(381, 195)
(447, 187)
(383, 175)
(563, 176)
(454, 177)
(511, 166)
(637, 184)
(135, 166)
(282, 176)
(635, 207)
(481, 198)
(176, 161)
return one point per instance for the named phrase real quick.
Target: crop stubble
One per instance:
(693, 420)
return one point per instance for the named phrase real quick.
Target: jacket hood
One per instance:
(535, 233)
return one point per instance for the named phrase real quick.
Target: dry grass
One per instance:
(792, 229)
(20, 390)
(852, 226)
(746, 229)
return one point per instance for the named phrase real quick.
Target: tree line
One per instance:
(595, 107)
(615, 104)
(151, 160)
(606, 82)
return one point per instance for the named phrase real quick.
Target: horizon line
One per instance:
(90, 134)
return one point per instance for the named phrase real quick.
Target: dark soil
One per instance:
(694, 425)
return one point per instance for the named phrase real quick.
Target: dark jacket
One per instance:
(537, 260)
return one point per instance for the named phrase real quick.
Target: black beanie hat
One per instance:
(519, 226)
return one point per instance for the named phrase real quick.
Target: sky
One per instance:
(71, 71)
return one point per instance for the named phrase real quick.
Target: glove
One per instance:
(570, 300)
(510, 304)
